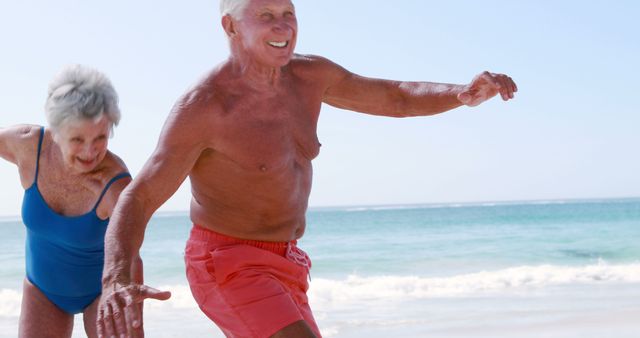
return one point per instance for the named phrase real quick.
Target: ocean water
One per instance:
(535, 269)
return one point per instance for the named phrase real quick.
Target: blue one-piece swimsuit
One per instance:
(64, 255)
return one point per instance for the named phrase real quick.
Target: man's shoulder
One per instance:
(206, 95)
(310, 61)
(314, 66)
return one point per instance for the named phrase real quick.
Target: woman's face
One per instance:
(83, 143)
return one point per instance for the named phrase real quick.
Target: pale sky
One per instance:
(573, 130)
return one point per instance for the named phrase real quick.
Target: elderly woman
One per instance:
(71, 185)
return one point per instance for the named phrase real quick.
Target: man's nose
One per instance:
(282, 27)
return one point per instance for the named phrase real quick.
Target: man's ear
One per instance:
(229, 25)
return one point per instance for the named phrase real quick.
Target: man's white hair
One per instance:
(232, 7)
(78, 93)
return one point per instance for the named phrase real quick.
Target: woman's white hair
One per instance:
(232, 7)
(78, 93)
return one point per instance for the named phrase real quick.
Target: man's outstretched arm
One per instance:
(178, 149)
(404, 99)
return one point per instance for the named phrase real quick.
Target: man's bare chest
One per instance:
(269, 134)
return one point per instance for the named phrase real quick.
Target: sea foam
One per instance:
(10, 303)
(356, 289)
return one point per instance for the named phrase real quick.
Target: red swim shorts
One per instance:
(248, 288)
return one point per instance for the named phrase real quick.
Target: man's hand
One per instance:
(119, 313)
(486, 86)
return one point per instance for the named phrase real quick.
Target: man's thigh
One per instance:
(248, 300)
(299, 329)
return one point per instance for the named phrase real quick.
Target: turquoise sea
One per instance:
(521, 269)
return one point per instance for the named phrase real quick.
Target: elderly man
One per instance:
(246, 136)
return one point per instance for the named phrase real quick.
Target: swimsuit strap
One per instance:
(38, 156)
(117, 177)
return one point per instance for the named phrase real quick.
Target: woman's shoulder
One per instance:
(19, 141)
(22, 133)
(112, 166)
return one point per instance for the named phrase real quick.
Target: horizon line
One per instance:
(176, 212)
